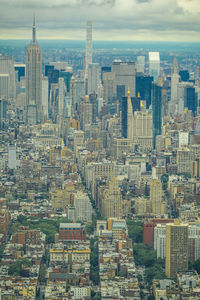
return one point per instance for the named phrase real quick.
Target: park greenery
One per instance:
(47, 226)
(94, 261)
(145, 255)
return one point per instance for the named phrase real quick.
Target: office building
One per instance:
(134, 105)
(12, 157)
(190, 99)
(157, 110)
(185, 159)
(157, 205)
(93, 78)
(124, 78)
(176, 248)
(7, 77)
(88, 56)
(20, 69)
(185, 75)
(85, 109)
(142, 131)
(45, 104)
(34, 81)
(108, 86)
(112, 201)
(3, 111)
(173, 104)
(154, 65)
(140, 64)
(144, 87)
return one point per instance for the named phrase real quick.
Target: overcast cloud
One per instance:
(112, 19)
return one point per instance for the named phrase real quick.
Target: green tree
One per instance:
(196, 265)
(135, 231)
(164, 180)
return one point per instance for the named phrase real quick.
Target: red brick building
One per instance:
(72, 232)
(148, 229)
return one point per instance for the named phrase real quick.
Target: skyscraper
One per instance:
(140, 64)
(93, 78)
(157, 110)
(154, 65)
(173, 105)
(34, 112)
(7, 77)
(157, 206)
(176, 248)
(144, 86)
(88, 57)
(124, 78)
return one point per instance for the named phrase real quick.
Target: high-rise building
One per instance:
(140, 64)
(144, 87)
(154, 65)
(185, 75)
(112, 201)
(93, 78)
(88, 56)
(190, 99)
(142, 132)
(3, 110)
(12, 157)
(45, 106)
(7, 77)
(185, 159)
(108, 86)
(85, 109)
(34, 81)
(157, 110)
(134, 105)
(157, 205)
(20, 69)
(124, 78)
(173, 104)
(176, 248)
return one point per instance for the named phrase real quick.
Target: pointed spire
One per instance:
(34, 30)
(175, 66)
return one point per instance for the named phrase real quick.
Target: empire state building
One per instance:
(34, 112)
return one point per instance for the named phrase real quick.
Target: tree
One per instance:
(164, 180)
(196, 265)
(135, 231)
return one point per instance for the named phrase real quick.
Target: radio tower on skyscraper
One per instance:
(88, 58)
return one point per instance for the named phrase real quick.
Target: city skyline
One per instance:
(142, 20)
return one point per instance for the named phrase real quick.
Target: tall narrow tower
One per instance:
(88, 58)
(34, 113)
(173, 104)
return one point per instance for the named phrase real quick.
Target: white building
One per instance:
(140, 64)
(45, 97)
(12, 158)
(154, 65)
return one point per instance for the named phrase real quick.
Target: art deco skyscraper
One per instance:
(88, 58)
(34, 113)
(173, 104)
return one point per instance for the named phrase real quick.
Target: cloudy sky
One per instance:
(156, 20)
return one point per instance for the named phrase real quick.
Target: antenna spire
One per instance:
(34, 30)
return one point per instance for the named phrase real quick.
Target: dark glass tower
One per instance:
(156, 111)
(191, 99)
(144, 86)
(135, 101)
